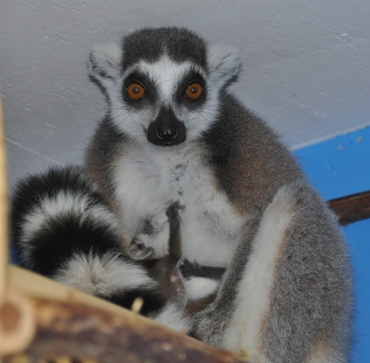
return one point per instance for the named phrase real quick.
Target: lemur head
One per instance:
(163, 84)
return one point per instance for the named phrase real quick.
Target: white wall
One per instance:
(306, 65)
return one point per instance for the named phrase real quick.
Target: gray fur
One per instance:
(235, 178)
(311, 299)
(211, 323)
(312, 296)
(149, 44)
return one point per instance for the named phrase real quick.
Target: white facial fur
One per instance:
(166, 76)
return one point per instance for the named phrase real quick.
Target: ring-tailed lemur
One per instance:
(173, 132)
(65, 230)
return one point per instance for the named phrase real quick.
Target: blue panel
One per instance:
(358, 235)
(339, 167)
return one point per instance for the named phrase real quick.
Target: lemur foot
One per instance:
(173, 211)
(139, 250)
(154, 244)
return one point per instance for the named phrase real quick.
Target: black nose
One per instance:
(166, 129)
(167, 133)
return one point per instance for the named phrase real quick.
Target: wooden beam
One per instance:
(84, 328)
(81, 332)
(352, 208)
(3, 211)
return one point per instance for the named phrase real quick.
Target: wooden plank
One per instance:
(83, 332)
(3, 211)
(82, 327)
(352, 208)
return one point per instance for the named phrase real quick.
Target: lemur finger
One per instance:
(173, 211)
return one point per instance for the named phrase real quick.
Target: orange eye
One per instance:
(194, 91)
(135, 91)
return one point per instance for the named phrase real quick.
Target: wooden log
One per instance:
(352, 208)
(3, 211)
(16, 318)
(83, 332)
(17, 324)
(84, 328)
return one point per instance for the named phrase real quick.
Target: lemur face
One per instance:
(165, 99)
(163, 84)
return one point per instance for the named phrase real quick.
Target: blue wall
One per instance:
(339, 167)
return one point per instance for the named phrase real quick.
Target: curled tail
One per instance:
(64, 229)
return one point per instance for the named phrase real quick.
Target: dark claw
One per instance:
(172, 211)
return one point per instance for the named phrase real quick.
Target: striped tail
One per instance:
(63, 229)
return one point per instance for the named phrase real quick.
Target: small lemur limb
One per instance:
(138, 250)
(174, 243)
(163, 268)
(155, 231)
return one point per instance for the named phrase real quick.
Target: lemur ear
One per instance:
(105, 63)
(224, 63)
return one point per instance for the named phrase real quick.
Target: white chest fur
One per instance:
(148, 179)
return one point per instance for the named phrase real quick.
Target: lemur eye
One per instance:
(135, 91)
(194, 91)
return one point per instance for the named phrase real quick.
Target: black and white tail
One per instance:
(64, 229)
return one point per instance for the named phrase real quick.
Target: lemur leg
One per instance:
(163, 270)
(139, 249)
(164, 267)
(211, 323)
(174, 244)
(152, 241)
(291, 303)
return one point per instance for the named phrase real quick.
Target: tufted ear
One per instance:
(105, 63)
(224, 63)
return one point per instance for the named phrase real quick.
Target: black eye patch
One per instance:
(191, 78)
(142, 79)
